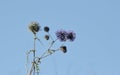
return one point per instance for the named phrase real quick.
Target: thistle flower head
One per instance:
(34, 27)
(46, 29)
(61, 35)
(63, 49)
(71, 35)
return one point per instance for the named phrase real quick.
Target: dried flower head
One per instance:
(34, 27)
(46, 29)
(63, 49)
(71, 35)
(61, 35)
(47, 37)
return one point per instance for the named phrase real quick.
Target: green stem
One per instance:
(34, 54)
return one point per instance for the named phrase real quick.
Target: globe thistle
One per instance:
(34, 27)
(47, 37)
(61, 35)
(71, 35)
(63, 49)
(46, 29)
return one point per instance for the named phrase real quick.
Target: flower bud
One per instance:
(34, 27)
(46, 29)
(63, 49)
(47, 37)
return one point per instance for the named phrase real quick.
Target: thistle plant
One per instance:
(61, 35)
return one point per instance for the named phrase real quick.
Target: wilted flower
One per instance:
(63, 48)
(47, 37)
(34, 27)
(46, 29)
(71, 35)
(61, 35)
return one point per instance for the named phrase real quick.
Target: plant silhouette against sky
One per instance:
(61, 35)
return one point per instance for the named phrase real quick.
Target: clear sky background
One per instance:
(95, 51)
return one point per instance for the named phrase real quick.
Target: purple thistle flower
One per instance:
(61, 35)
(71, 35)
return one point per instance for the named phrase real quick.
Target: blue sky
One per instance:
(95, 51)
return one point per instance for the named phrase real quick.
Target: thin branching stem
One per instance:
(50, 36)
(34, 51)
(48, 54)
(39, 40)
(52, 43)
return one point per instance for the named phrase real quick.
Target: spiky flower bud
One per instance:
(34, 27)
(47, 37)
(46, 29)
(63, 49)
